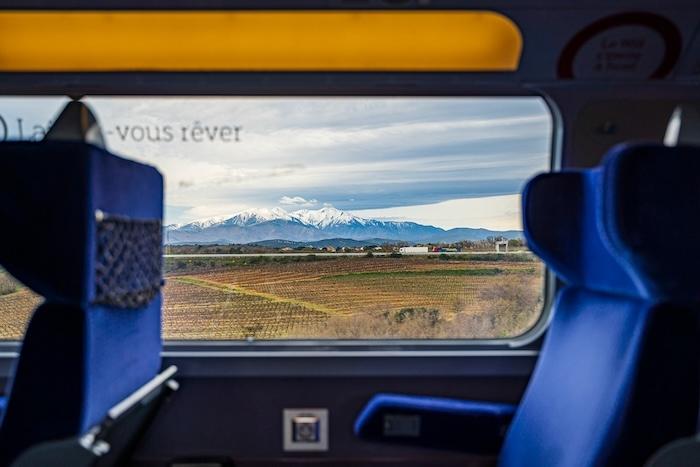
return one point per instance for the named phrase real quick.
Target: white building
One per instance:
(502, 246)
(413, 249)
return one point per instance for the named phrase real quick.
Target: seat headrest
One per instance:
(626, 227)
(81, 225)
(649, 217)
(560, 226)
(76, 122)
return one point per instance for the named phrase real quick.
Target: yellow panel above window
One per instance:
(83, 41)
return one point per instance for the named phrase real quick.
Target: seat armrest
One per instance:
(451, 424)
(111, 442)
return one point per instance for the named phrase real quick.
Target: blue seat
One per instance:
(82, 228)
(617, 376)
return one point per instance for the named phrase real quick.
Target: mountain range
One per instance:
(256, 225)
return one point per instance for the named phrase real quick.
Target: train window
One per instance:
(328, 217)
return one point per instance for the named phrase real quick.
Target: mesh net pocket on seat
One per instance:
(128, 266)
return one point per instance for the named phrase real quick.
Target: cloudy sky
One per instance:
(449, 162)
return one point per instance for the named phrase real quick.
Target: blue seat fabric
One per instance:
(610, 387)
(79, 356)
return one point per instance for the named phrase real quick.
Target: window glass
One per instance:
(339, 218)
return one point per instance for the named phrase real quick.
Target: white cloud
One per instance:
(492, 212)
(356, 153)
(298, 201)
(221, 209)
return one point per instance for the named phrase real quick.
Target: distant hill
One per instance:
(306, 227)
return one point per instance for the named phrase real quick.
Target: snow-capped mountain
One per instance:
(255, 225)
(199, 225)
(326, 217)
(257, 216)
